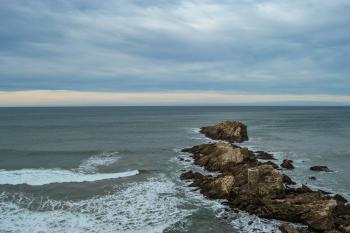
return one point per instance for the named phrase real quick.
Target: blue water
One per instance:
(115, 169)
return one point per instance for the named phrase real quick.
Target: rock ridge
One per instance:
(258, 188)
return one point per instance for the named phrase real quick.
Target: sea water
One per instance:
(116, 169)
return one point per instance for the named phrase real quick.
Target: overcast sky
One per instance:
(240, 47)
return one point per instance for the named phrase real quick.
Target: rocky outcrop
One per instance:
(287, 164)
(320, 168)
(264, 155)
(287, 228)
(231, 131)
(258, 188)
(218, 156)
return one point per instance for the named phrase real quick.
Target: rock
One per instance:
(340, 198)
(275, 166)
(320, 168)
(288, 164)
(225, 203)
(303, 189)
(264, 155)
(219, 188)
(287, 180)
(217, 156)
(231, 131)
(258, 188)
(287, 228)
(313, 209)
(312, 178)
(190, 175)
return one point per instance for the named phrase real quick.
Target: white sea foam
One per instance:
(149, 206)
(91, 164)
(48, 176)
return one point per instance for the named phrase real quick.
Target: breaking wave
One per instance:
(149, 206)
(48, 176)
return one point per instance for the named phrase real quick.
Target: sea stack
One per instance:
(231, 131)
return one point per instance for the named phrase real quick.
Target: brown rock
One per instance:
(190, 175)
(219, 188)
(258, 188)
(288, 164)
(217, 156)
(320, 168)
(287, 228)
(264, 155)
(275, 166)
(340, 198)
(287, 180)
(231, 131)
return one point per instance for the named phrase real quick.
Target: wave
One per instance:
(148, 206)
(49, 176)
(91, 164)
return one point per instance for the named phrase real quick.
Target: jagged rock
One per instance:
(275, 166)
(218, 188)
(258, 188)
(303, 189)
(287, 180)
(190, 175)
(217, 156)
(231, 131)
(340, 198)
(320, 168)
(288, 164)
(264, 155)
(313, 209)
(287, 228)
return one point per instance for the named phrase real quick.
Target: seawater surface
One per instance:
(116, 169)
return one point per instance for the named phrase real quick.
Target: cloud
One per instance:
(260, 47)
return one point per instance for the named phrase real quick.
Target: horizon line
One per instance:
(67, 98)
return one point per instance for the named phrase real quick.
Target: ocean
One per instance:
(116, 169)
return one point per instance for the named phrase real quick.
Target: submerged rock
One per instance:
(320, 168)
(231, 131)
(287, 164)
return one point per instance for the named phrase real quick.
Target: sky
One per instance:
(157, 52)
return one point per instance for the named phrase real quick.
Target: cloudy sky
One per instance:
(116, 52)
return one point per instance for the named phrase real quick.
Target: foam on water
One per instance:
(91, 164)
(149, 206)
(48, 176)
(247, 223)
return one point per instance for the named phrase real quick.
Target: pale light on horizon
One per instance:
(81, 98)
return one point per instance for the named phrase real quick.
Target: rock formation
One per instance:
(231, 131)
(287, 164)
(287, 228)
(320, 168)
(264, 155)
(258, 188)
